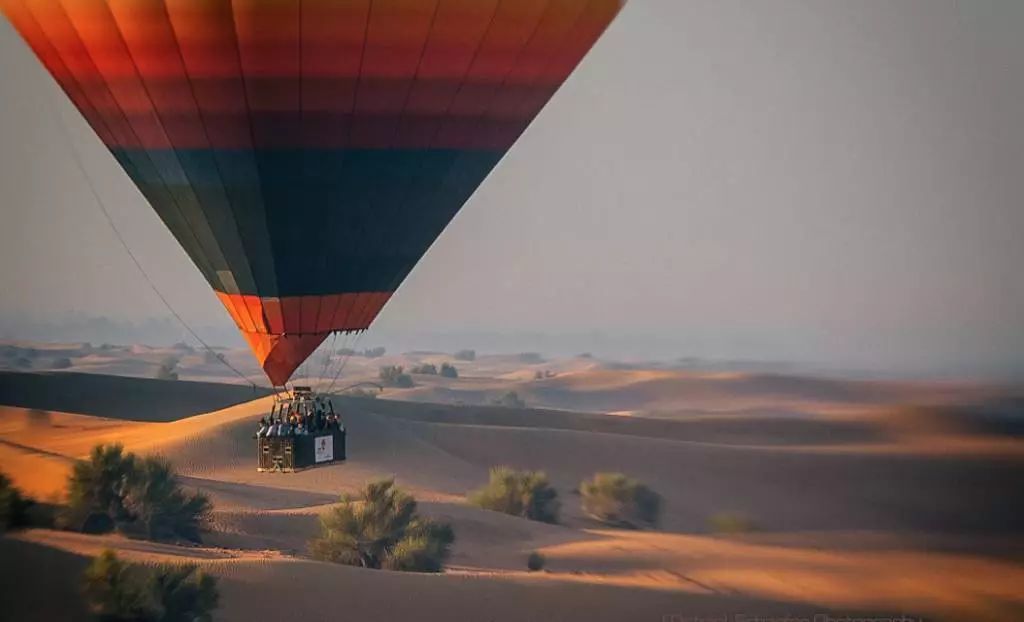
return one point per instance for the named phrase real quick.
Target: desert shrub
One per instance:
(426, 369)
(465, 355)
(448, 371)
(116, 490)
(731, 523)
(381, 529)
(61, 362)
(374, 353)
(395, 376)
(121, 592)
(181, 346)
(114, 590)
(619, 500)
(37, 417)
(361, 393)
(159, 508)
(535, 561)
(14, 506)
(212, 357)
(167, 369)
(520, 493)
(530, 357)
(510, 399)
(182, 593)
(424, 548)
(97, 488)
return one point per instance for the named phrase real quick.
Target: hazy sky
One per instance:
(823, 181)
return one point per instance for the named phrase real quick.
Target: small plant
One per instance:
(395, 376)
(116, 490)
(38, 418)
(510, 399)
(114, 589)
(14, 507)
(535, 562)
(426, 369)
(121, 592)
(159, 508)
(381, 529)
(465, 355)
(530, 357)
(730, 523)
(97, 488)
(448, 371)
(167, 369)
(361, 393)
(520, 493)
(616, 499)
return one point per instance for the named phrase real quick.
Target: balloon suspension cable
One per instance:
(101, 204)
(328, 355)
(359, 335)
(347, 341)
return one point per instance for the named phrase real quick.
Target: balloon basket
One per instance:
(290, 454)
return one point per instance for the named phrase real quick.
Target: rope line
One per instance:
(344, 362)
(101, 204)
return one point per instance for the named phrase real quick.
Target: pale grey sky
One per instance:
(826, 181)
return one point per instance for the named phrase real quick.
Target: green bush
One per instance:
(448, 371)
(616, 499)
(426, 369)
(97, 488)
(120, 592)
(536, 562)
(14, 507)
(361, 393)
(167, 369)
(395, 376)
(212, 357)
(116, 490)
(160, 509)
(374, 353)
(465, 355)
(509, 399)
(731, 523)
(424, 548)
(520, 493)
(381, 529)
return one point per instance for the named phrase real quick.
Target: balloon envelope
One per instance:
(306, 153)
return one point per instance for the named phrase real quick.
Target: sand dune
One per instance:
(842, 526)
(107, 396)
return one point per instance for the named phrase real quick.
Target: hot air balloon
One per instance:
(306, 153)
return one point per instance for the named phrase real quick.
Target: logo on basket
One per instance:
(323, 450)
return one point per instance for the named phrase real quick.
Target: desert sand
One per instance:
(868, 497)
